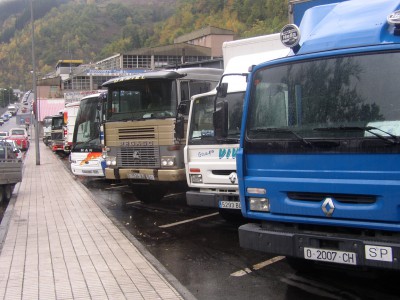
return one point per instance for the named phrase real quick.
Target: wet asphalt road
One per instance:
(204, 254)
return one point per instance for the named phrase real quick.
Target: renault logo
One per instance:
(328, 207)
(136, 155)
(233, 177)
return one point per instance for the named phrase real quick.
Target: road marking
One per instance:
(257, 266)
(189, 220)
(132, 202)
(116, 187)
(268, 262)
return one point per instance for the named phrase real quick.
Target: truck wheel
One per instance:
(7, 192)
(149, 193)
(1, 194)
(231, 215)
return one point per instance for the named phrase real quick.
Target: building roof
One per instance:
(175, 49)
(210, 30)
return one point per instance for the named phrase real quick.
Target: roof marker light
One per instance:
(290, 36)
(394, 19)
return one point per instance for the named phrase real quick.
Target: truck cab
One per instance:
(57, 134)
(214, 128)
(320, 142)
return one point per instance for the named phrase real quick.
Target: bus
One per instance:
(86, 151)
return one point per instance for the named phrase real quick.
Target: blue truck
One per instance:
(297, 8)
(319, 157)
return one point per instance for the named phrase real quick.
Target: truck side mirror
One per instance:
(220, 120)
(222, 90)
(180, 128)
(183, 107)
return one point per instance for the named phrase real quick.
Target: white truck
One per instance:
(70, 113)
(211, 163)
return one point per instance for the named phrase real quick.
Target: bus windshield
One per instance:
(87, 125)
(344, 97)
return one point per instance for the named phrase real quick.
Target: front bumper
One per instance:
(91, 172)
(146, 174)
(290, 242)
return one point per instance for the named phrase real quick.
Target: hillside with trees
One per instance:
(92, 30)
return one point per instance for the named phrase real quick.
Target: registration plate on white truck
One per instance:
(229, 204)
(334, 256)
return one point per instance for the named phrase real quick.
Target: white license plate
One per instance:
(379, 253)
(140, 176)
(340, 257)
(229, 204)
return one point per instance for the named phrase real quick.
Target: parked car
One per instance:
(20, 135)
(16, 150)
(3, 134)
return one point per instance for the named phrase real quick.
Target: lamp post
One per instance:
(3, 100)
(9, 94)
(35, 90)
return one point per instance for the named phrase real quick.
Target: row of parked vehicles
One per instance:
(305, 141)
(12, 145)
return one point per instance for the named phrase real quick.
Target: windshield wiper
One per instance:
(394, 141)
(87, 142)
(283, 130)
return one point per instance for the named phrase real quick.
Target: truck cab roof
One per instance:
(166, 74)
(347, 24)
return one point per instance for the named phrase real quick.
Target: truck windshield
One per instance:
(46, 122)
(352, 97)
(87, 125)
(57, 122)
(201, 126)
(143, 99)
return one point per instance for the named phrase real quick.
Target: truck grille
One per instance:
(343, 198)
(57, 136)
(136, 133)
(139, 157)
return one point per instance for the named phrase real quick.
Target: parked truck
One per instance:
(57, 134)
(70, 112)
(318, 162)
(210, 162)
(297, 8)
(141, 147)
(47, 129)
(10, 170)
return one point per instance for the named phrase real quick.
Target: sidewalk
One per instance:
(58, 244)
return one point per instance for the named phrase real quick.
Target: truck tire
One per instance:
(149, 193)
(7, 192)
(231, 215)
(1, 194)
